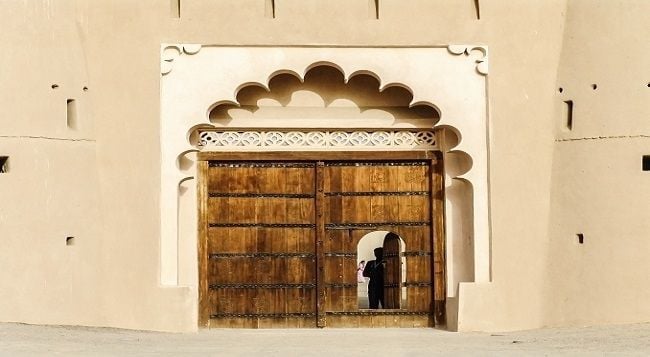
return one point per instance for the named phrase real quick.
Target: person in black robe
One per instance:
(374, 270)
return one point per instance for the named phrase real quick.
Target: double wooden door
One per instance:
(279, 236)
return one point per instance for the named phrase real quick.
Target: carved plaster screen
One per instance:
(306, 140)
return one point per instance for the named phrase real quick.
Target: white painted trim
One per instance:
(451, 79)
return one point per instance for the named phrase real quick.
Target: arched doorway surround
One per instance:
(365, 253)
(196, 79)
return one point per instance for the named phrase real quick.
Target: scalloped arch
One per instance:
(362, 72)
(221, 102)
(454, 131)
(301, 78)
(284, 72)
(323, 64)
(393, 85)
(458, 163)
(185, 101)
(426, 103)
(253, 84)
(185, 163)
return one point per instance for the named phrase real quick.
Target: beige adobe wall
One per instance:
(599, 189)
(42, 279)
(95, 181)
(117, 178)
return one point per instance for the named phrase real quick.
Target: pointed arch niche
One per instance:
(301, 98)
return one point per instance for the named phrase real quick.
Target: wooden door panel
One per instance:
(340, 282)
(397, 198)
(271, 240)
(261, 242)
(418, 268)
(262, 210)
(341, 298)
(262, 225)
(366, 178)
(416, 238)
(419, 299)
(297, 239)
(338, 240)
(378, 209)
(266, 270)
(266, 301)
(413, 178)
(232, 240)
(263, 178)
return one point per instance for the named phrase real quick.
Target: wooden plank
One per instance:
(386, 176)
(202, 186)
(350, 298)
(420, 298)
(321, 320)
(438, 236)
(381, 209)
(268, 210)
(312, 155)
(378, 319)
(250, 179)
(276, 298)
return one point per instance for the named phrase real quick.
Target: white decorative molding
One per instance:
(350, 140)
(481, 62)
(170, 52)
(452, 79)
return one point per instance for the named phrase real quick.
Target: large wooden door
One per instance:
(365, 196)
(278, 238)
(260, 244)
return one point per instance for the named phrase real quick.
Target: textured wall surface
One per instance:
(99, 180)
(599, 188)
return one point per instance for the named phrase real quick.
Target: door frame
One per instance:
(437, 195)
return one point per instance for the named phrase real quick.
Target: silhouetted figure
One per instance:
(375, 271)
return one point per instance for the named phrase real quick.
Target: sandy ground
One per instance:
(30, 340)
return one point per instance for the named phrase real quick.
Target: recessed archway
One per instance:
(323, 98)
(323, 95)
(427, 84)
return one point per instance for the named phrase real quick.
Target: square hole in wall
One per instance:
(645, 163)
(581, 238)
(69, 240)
(4, 164)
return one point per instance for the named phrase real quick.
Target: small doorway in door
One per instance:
(381, 271)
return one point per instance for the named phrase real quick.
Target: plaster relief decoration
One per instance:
(172, 52)
(305, 140)
(481, 60)
(318, 98)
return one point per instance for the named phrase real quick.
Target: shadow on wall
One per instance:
(323, 88)
(460, 240)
